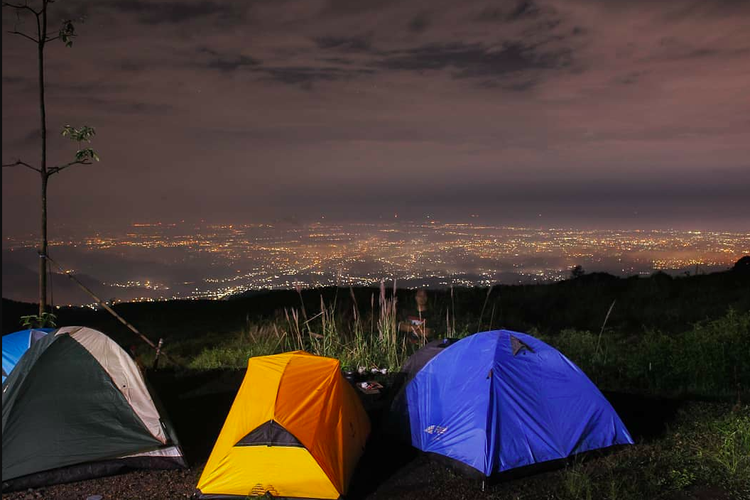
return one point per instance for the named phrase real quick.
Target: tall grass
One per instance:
(390, 342)
(710, 359)
(365, 341)
(577, 483)
(253, 340)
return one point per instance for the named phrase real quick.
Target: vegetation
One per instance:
(40, 36)
(46, 319)
(709, 359)
(708, 449)
(356, 343)
(614, 329)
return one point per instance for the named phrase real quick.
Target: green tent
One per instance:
(76, 406)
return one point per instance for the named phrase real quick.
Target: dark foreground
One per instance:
(663, 463)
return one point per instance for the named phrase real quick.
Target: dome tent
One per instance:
(296, 429)
(75, 407)
(17, 343)
(501, 400)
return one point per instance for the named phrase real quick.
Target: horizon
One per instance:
(76, 229)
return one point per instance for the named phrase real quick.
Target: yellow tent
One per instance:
(296, 429)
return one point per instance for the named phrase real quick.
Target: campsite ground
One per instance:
(672, 360)
(675, 458)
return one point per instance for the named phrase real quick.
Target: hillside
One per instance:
(670, 304)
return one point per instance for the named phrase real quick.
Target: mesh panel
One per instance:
(270, 433)
(517, 346)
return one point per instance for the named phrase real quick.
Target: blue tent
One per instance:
(499, 400)
(15, 344)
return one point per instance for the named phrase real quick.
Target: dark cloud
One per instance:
(419, 23)
(348, 7)
(491, 15)
(521, 86)
(577, 30)
(525, 9)
(345, 44)
(474, 60)
(630, 78)
(675, 49)
(337, 60)
(173, 12)
(227, 62)
(521, 11)
(306, 76)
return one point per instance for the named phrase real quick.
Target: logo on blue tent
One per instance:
(436, 430)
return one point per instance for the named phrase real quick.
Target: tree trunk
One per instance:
(42, 30)
(43, 251)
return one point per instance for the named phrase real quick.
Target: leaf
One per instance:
(35, 321)
(85, 133)
(86, 154)
(67, 32)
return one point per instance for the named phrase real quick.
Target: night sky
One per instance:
(576, 112)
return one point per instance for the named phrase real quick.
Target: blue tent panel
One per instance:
(16, 344)
(480, 404)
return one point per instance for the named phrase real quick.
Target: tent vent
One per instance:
(518, 346)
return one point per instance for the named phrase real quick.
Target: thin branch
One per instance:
(24, 35)
(21, 7)
(20, 163)
(49, 39)
(55, 170)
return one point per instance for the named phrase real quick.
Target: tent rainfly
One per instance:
(15, 344)
(296, 429)
(76, 406)
(501, 400)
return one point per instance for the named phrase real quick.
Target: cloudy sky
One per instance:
(579, 112)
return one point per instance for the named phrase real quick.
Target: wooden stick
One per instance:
(158, 351)
(598, 341)
(110, 310)
(489, 291)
